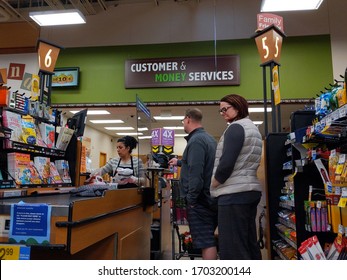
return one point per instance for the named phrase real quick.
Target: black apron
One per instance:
(128, 185)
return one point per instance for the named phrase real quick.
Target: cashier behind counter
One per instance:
(127, 170)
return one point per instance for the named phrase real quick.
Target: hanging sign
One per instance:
(47, 55)
(269, 44)
(183, 71)
(162, 136)
(264, 20)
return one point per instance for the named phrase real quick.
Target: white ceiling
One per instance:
(129, 22)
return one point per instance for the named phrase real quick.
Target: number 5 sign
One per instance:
(269, 44)
(48, 55)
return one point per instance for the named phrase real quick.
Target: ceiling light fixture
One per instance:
(174, 127)
(289, 5)
(58, 17)
(168, 118)
(258, 122)
(130, 133)
(106, 121)
(95, 112)
(119, 128)
(258, 109)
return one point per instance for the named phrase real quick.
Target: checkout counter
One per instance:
(116, 225)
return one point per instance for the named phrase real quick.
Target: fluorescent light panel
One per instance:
(172, 118)
(258, 122)
(119, 128)
(173, 127)
(180, 135)
(95, 112)
(145, 137)
(258, 109)
(289, 5)
(106, 121)
(129, 133)
(58, 17)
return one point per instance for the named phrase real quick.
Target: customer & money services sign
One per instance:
(183, 71)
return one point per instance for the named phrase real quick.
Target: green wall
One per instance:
(306, 68)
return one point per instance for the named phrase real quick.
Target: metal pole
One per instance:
(279, 123)
(265, 101)
(273, 113)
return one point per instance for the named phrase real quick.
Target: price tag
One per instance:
(14, 252)
(342, 111)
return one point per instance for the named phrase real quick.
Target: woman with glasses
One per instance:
(235, 183)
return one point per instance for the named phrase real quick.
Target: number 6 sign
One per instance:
(269, 44)
(48, 55)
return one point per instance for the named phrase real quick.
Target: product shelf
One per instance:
(287, 223)
(289, 204)
(18, 146)
(290, 242)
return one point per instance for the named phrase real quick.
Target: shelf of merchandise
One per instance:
(33, 149)
(278, 156)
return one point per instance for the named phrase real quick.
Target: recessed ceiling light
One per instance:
(259, 109)
(119, 128)
(106, 121)
(145, 137)
(94, 112)
(129, 133)
(289, 5)
(58, 17)
(180, 135)
(142, 129)
(163, 118)
(257, 122)
(174, 127)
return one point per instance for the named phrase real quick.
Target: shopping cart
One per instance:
(184, 247)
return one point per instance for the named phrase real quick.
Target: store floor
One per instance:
(173, 252)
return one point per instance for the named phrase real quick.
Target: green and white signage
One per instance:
(183, 72)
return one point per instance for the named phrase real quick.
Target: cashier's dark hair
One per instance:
(239, 103)
(128, 141)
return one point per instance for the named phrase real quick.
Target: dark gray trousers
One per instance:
(237, 233)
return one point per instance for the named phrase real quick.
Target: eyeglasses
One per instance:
(224, 109)
(184, 119)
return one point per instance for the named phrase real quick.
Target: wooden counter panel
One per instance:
(133, 223)
(111, 201)
(59, 234)
(129, 246)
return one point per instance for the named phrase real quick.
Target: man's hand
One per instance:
(173, 161)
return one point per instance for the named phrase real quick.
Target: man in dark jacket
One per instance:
(195, 178)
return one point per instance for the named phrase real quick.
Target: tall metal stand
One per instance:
(276, 110)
